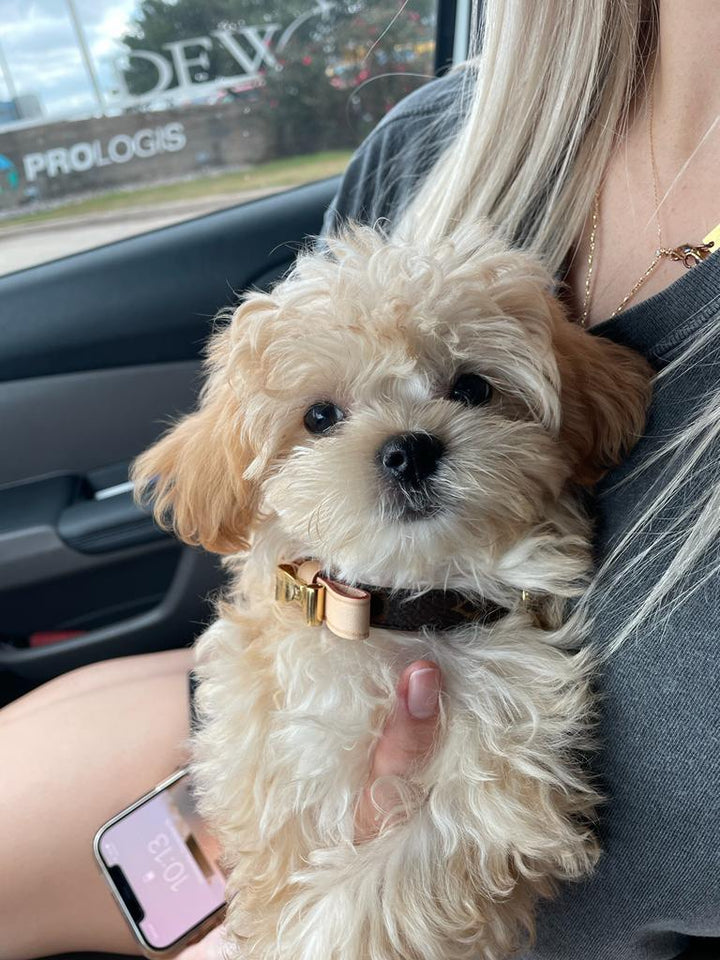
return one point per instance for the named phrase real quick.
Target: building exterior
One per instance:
(27, 106)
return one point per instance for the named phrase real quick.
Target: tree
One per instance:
(344, 77)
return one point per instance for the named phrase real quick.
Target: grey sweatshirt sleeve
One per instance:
(386, 170)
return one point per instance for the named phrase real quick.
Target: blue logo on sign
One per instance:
(9, 177)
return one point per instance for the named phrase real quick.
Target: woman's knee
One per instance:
(88, 745)
(99, 675)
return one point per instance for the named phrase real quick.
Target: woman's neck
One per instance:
(687, 82)
(686, 147)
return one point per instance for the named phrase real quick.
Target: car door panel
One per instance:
(149, 299)
(79, 421)
(100, 352)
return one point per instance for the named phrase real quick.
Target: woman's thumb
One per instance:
(406, 741)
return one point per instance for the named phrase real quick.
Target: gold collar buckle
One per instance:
(290, 588)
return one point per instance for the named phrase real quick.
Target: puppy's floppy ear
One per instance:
(194, 476)
(605, 392)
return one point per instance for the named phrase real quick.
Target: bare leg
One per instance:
(73, 753)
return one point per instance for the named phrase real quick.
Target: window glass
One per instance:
(120, 116)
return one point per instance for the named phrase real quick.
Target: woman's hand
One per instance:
(406, 743)
(211, 947)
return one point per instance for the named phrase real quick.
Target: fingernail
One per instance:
(423, 693)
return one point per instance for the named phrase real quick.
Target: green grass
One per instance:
(287, 172)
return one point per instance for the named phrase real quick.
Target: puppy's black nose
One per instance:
(410, 458)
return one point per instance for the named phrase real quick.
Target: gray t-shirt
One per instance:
(658, 883)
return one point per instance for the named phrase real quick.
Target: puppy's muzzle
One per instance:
(407, 463)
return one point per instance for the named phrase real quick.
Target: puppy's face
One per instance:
(404, 416)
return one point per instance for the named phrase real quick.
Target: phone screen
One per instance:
(163, 863)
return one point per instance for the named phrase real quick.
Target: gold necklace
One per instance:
(686, 253)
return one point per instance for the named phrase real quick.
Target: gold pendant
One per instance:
(690, 255)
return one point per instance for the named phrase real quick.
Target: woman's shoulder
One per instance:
(399, 152)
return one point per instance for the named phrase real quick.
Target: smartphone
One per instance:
(162, 867)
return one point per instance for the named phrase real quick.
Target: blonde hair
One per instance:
(551, 83)
(550, 87)
(688, 547)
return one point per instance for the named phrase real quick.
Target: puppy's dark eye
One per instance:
(322, 417)
(470, 389)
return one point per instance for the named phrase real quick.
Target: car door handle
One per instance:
(107, 523)
(60, 525)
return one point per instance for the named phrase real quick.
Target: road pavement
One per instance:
(26, 245)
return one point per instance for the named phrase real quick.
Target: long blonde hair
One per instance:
(550, 86)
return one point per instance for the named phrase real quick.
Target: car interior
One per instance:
(99, 352)
(94, 380)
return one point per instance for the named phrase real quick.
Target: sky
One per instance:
(42, 54)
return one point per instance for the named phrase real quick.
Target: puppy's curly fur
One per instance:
(381, 327)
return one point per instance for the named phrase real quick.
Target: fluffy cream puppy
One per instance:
(411, 417)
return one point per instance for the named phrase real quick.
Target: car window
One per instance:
(122, 116)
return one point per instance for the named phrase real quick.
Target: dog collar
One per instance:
(349, 612)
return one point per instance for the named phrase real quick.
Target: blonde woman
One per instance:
(588, 131)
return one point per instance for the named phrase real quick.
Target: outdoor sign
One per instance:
(87, 155)
(9, 177)
(186, 54)
(252, 48)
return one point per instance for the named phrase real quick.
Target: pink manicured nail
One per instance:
(423, 693)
